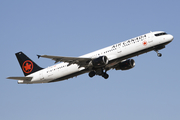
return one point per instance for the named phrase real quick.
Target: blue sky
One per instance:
(73, 28)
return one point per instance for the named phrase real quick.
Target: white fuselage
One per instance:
(119, 51)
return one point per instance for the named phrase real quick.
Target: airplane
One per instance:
(116, 57)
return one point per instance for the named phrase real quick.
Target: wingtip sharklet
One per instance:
(39, 56)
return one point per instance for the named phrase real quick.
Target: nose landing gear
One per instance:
(158, 54)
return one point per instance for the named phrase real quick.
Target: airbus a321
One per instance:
(116, 57)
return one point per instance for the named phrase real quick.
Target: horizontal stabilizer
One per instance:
(21, 78)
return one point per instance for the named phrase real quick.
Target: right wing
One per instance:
(21, 78)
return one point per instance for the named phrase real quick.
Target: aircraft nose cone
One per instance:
(171, 37)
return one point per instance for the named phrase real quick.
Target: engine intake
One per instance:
(126, 65)
(100, 61)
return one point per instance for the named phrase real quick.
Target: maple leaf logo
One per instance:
(27, 66)
(145, 43)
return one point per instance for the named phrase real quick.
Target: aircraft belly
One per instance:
(70, 75)
(66, 73)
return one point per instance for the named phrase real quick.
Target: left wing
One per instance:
(82, 62)
(21, 78)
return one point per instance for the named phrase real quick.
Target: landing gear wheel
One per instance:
(92, 74)
(105, 76)
(159, 54)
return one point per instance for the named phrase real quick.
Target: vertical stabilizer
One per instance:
(27, 65)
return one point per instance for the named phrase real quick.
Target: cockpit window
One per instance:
(159, 34)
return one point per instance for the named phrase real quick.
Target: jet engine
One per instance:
(125, 65)
(99, 62)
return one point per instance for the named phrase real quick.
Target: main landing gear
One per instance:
(100, 73)
(158, 54)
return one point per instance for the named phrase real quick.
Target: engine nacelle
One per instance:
(99, 62)
(126, 65)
